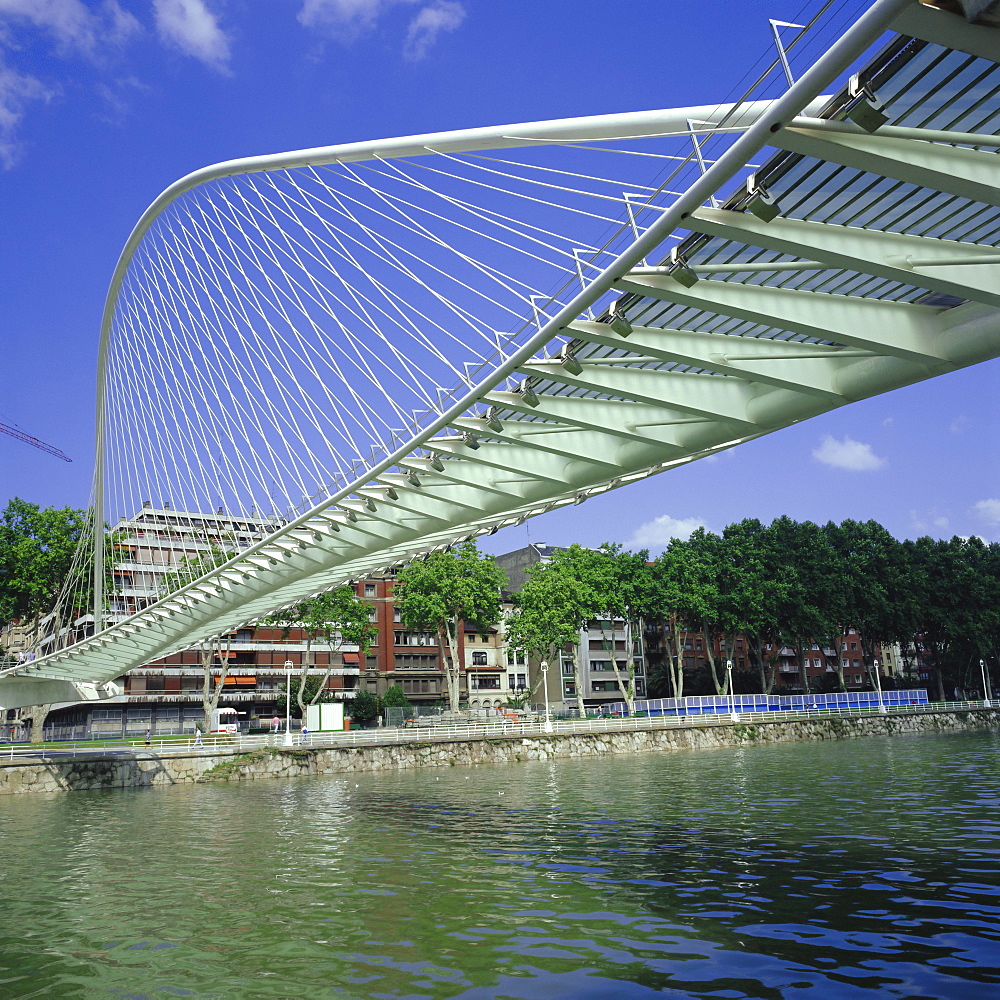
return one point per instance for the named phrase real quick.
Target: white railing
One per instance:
(497, 729)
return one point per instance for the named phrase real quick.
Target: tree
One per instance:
(395, 698)
(212, 650)
(625, 592)
(444, 590)
(36, 553)
(876, 600)
(668, 576)
(335, 618)
(762, 588)
(364, 708)
(812, 602)
(37, 547)
(557, 600)
(700, 605)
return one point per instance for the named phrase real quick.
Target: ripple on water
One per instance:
(829, 870)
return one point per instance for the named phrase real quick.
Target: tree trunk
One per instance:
(210, 697)
(837, 663)
(575, 660)
(627, 690)
(675, 659)
(300, 695)
(452, 667)
(38, 714)
(720, 688)
(765, 665)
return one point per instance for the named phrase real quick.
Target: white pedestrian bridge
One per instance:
(379, 349)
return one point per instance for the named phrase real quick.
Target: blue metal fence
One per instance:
(723, 704)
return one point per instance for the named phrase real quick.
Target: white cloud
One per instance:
(75, 26)
(927, 521)
(348, 20)
(17, 90)
(847, 454)
(442, 15)
(193, 28)
(988, 510)
(656, 534)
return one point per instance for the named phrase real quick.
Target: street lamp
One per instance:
(288, 702)
(878, 687)
(732, 701)
(986, 690)
(545, 688)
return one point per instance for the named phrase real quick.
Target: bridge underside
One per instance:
(858, 259)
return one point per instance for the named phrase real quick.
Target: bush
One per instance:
(364, 708)
(394, 698)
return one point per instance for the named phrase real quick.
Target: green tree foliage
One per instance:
(37, 546)
(335, 618)
(394, 698)
(364, 708)
(794, 583)
(444, 590)
(36, 553)
(556, 601)
(191, 568)
(622, 590)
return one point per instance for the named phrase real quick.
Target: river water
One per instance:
(840, 870)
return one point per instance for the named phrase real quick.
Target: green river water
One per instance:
(838, 870)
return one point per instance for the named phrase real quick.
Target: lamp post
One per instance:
(732, 701)
(878, 687)
(986, 690)
(288, 702)
(545, 688)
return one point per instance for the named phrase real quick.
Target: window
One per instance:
(403, 638)
(569, 688)
(369, 590)
(479, 660)
(857, 678)
(856, 664)
(373, 616)
(567, 668)
(854, 645)
(397, 615)
(489, 682)
(599, 665)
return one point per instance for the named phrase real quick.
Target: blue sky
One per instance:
(103, 104)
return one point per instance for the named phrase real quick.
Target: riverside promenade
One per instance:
(82, 767)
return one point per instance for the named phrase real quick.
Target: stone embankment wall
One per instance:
(177, 767)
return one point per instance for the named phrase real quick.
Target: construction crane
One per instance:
(33, 441)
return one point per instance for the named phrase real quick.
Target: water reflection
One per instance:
(835, 870)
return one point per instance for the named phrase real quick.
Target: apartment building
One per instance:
(156, 543)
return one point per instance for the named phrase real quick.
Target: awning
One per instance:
(354, 658)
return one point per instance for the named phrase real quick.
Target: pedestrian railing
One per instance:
(493, 729)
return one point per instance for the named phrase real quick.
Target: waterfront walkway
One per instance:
(493, 729)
